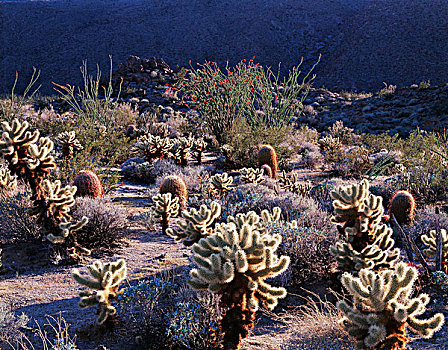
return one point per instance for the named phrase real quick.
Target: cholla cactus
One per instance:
(198, 224)
(329, 143)
(165, 207)
(430, 240)
(199, 146)
(54, 214)
(220, 184)
(383, 307)
(152, 147)
(363, 243)
(180, 149)
(292, 183)
(251, 175)
(235, 262)
(27, 159)
(105, 279)
(227, 150)
(68, 143)
(8, 182)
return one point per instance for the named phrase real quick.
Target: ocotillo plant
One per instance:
(198, 224)
(383, 308)
(105, 280)
(234, 262)
(364, 242)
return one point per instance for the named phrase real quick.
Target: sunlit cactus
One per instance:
(267, 171)
(294, 184)
(329, 143)
(430, 240)
(198, 224)
(53, 213)
(105, 280)
(383, 308)
(180, 149)
(220, 184)
(166, 207)
(8, 182)
(68, 143)
(234, 262)
(402, 206)
(253, 176)
(152, 147)
(28, 156)
(199, 146)
(364, 242)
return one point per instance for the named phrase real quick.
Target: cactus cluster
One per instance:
(8, 182)
(166, 206)
(152, 147)
(294, 184)
(329, 143)
(220, 184)
(198, 224)
(383, 307)
(105, 280)
(268, 156)
(364, 242)
(234, 262)
(88, 184)
(68, 144)
(252, 176)
(431, 241)
(29, 158)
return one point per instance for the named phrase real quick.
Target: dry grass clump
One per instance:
(106, 226)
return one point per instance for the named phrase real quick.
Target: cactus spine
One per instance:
(402, 205)
(267, 155)
(198, 224)
(363, 243)
(165, 207)
(234, 262)
(88, 184)
(383, 308)
(105, 280)
(176, 186)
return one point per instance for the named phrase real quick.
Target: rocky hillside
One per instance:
(364, 42)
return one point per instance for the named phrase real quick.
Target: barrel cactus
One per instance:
(402, 206)
(176, 186)
(267, 155)
(88, 184)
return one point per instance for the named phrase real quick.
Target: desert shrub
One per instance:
(309, 250)
(106, 226)
(352, 163)
(15, 223)
(138, 170)
(193, 323)
(426, 220)
(11, 325)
